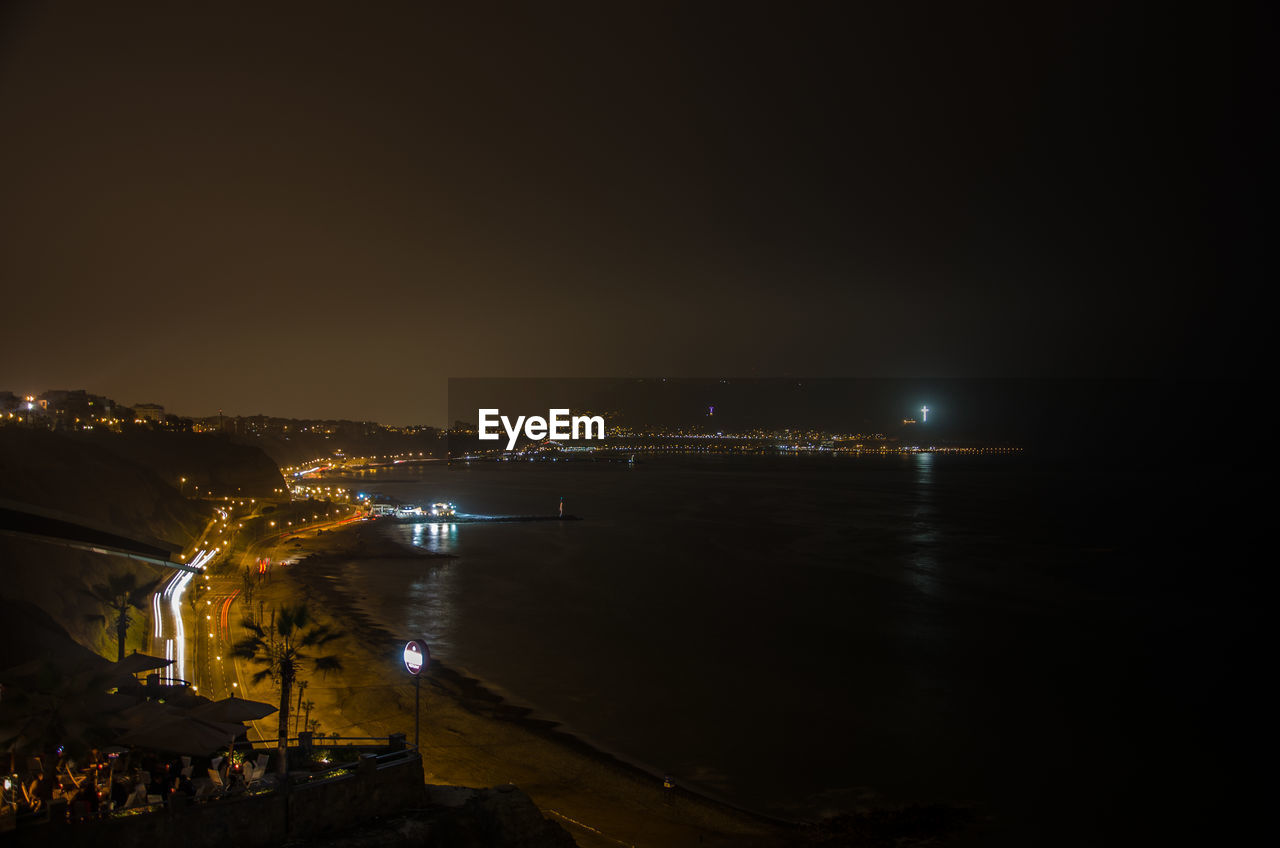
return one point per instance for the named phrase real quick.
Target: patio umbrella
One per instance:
(182, 735)
(142, 714)
(232, 709)
(103, 707)
(40, 673)
(97, 674)
(48, 708)
(184, 698)
(137, 663)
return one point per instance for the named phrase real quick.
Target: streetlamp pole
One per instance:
(416, 658)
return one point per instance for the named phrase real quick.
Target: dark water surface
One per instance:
(1054, 645)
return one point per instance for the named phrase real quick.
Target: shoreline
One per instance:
(466, 726)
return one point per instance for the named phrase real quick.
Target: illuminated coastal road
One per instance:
(215, 629)
(169, 627)
(168, 633)
(198, 640)
(215, 626)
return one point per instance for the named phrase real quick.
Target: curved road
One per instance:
(200, 641)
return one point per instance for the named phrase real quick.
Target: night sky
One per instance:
(325, 210)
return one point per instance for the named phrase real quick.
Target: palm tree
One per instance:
(247, 593)
(282, 650)
(302, 687)
(118, 595)
(307, 707)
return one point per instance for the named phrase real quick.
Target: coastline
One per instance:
(471, 736)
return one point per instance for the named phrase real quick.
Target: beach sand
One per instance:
(471, 737)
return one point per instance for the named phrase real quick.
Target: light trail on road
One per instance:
(157, 630)
(212, 660)
(175, 648)
(226, 615)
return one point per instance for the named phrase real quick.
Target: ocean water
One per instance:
(805, 635)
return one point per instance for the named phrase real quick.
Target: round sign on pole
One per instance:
(416, 657)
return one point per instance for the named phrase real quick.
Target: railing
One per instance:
(347, 759)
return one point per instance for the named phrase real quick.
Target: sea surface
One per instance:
(1053, 644)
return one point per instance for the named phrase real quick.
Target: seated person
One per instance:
(44, 789)
(68, 767)
(138, 797)
(157, 784)
(119, 793)
(31, 800)
(87, 795)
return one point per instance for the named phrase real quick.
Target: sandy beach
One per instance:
(471, 737)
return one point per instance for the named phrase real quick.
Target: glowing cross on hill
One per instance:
(924, 415)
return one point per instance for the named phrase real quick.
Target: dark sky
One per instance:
(324, 210)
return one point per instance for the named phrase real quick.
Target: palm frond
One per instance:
(317, 636)
(248, 647)
(326, 664)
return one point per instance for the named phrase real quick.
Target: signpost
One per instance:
(416, 658)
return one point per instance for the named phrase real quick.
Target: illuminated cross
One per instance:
(924, 413)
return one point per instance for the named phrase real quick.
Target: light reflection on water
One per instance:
(428, 610)
(434, 536)
(924, 569)
(893, 619)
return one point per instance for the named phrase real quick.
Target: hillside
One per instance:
(116, 483)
